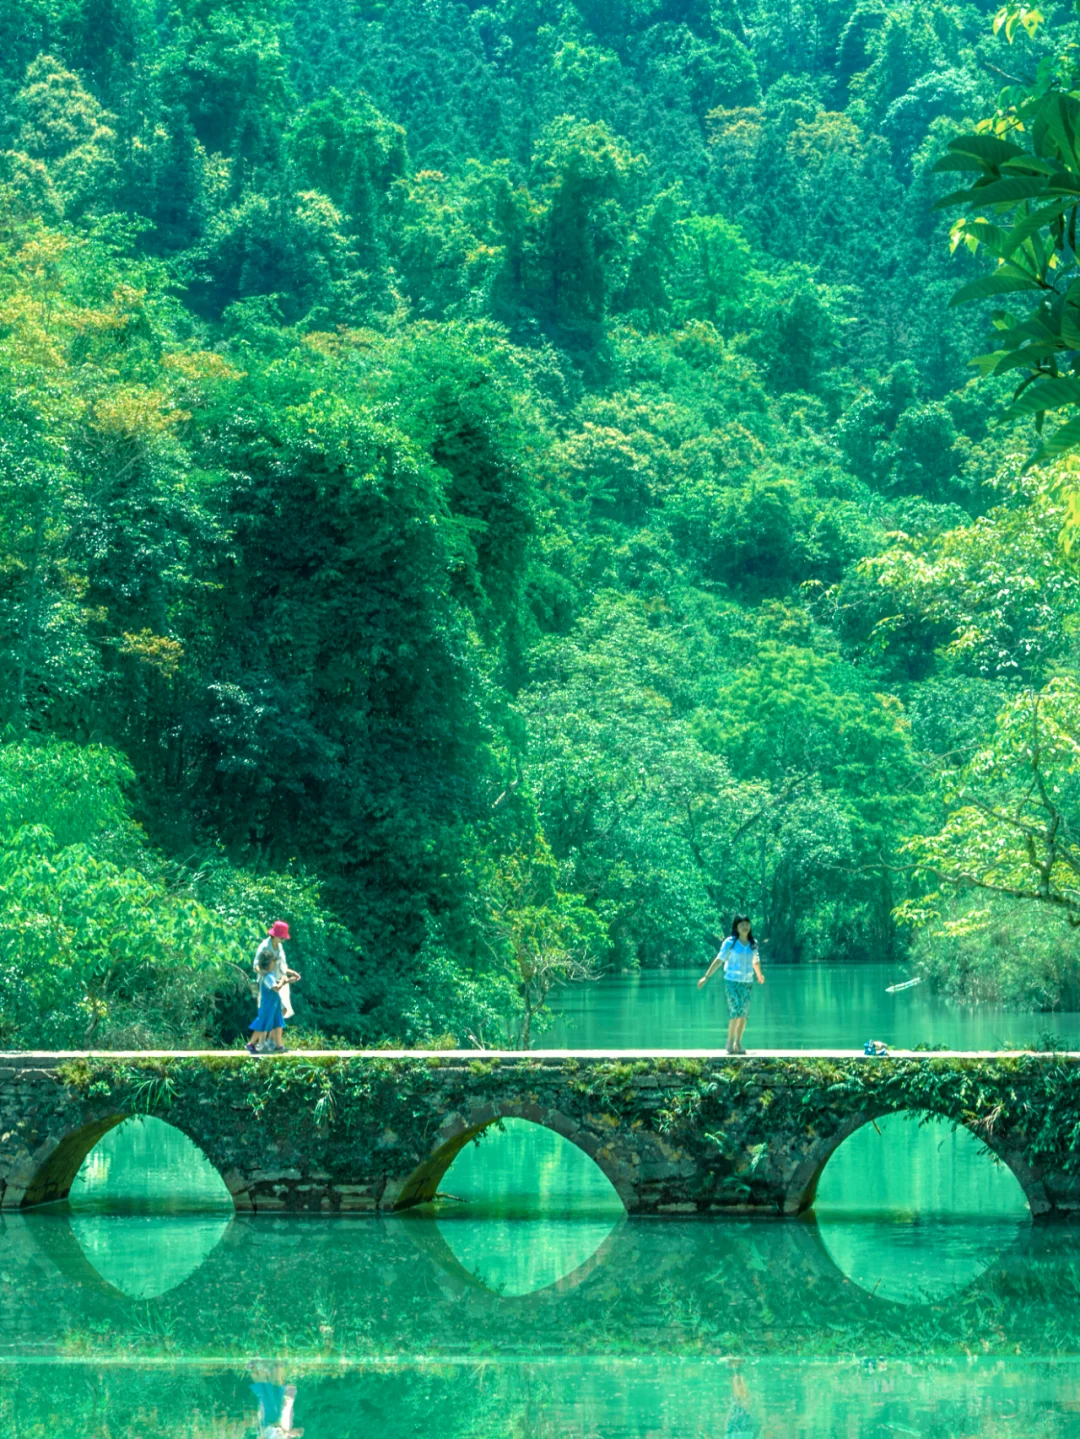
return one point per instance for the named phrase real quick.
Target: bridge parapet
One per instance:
(675, 1132)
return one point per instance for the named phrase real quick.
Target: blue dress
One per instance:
(269, 1016)
(271, 1397)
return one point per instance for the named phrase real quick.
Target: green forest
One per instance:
(502, 487)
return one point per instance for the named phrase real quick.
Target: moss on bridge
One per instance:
(673, 1134)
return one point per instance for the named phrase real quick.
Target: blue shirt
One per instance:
(738, 960)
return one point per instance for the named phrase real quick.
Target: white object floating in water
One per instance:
(896, 988)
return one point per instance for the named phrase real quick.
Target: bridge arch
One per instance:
(802, 1184)
(59, 1160)
(459, 1129)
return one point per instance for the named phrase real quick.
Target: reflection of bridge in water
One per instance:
(675, 1133)
(394, 1286)
(580, 1337)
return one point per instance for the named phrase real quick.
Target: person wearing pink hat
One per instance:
(272, 946)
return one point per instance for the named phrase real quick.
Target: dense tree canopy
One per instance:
(502, 486)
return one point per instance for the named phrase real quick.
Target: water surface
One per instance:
(671, 1328)
(806, 1006)
(918, 1298)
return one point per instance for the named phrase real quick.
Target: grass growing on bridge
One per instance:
(396, 1103)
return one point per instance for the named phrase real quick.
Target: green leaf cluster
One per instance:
(500, 489)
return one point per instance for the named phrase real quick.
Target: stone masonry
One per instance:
(675, 1133)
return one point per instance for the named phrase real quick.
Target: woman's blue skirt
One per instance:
(269, 1015)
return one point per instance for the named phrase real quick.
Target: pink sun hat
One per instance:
(279, 930)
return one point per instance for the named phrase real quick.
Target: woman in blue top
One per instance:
(739, 956)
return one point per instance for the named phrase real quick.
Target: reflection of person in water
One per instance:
(276, 1410)
(740, 1423)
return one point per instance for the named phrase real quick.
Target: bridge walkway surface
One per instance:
(677, 1131)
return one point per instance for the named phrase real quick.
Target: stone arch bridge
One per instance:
(676, 1133)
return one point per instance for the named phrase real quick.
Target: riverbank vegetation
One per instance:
(502, 487)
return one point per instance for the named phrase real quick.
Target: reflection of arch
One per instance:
(429, 1238)
(56, 1173)
(802, 1187)
(422, 1184)
(51, 1236)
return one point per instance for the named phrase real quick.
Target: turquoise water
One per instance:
(667, 1329)
(638, 1398)
(915, 1213)
(140, 1174)
(147, 1162)
(529, 1211)
(916, 1299)
(820, 1006)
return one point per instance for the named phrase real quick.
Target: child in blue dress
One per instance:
(267, 1028)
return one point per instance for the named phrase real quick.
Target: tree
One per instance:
(714, 272)
(462, 241)
(291, 247)
(224, 62)
(841, 777)
(86, 918)
(581, 179)
(993, 598)
(62, 127)
(544, 936)
(351, 153)
(82, 942)
(407, 405)
(638, 813)
(1021, 212)
(46, 656)
(800, 330)
(1012, 823)
(105, 940)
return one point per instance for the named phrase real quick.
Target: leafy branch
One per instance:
(1011, 809)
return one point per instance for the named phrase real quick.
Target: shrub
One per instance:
(1021, 955)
